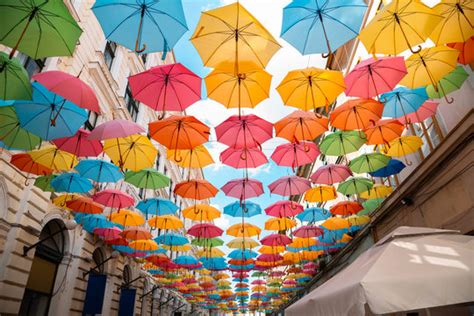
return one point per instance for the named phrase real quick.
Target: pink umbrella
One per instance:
(308, 232)
(309, 271)
(69, 87)
(310, 265)
(330, 174)
(372, 77)
(285, 208)
(166, 87)
(426, 110)
(110, 233)
(269, 257)
(79, 144)
(259, 282)
(289, 185)
(295, 154)
(114, 129)
(243, 157)
(244, 188)
(276, 240)
(290, 282)
(244, 131)
(276, 273)
(113, 198)
(205, 231)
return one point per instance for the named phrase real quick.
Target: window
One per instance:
(32, 66)
(157, 165)
(109, 53)
(144, 58)
(91, 121)
(132, 105)
(98, 257)
(127, 275)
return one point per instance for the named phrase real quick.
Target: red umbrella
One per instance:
(79, 144)
(276, 273)
(243, 157)
(166, 87)
(466, 51)
(372, 77)
(259, 282)
(269, 257)
(116, 242)
(356, 114)
(241, 262)
(308, 232)
(244, 131)
(276, 240)
(113, 198)
(115, 129)
(85, 205)
(426, 110)
(346, 208)
(295, 154)
(205, 230)
(330, 174)
(289, 185)
(285, 208)
(291, 281)
(70, 88)
(240, 275)
(244, 188)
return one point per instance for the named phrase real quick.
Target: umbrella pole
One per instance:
(30, 18)
(397, 20)
(139, 35)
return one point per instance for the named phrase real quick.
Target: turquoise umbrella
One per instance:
(71, 183)
(99, 170)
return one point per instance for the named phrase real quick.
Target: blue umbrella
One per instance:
(331, 236)
(91, 221)
(321, 26)
(402, 101)
(49, 115)
(245, 209)
(241, 289)
(245, 280)
(71, 183)
(245, 267)
(145, 26)
(244, 254)
(186, 260)
(157, 206)
(394, 166)
(124, 249)
(172, 239)
(99, 170)
(313, 214)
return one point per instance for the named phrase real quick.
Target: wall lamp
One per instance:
(68, 225)
(113, 255)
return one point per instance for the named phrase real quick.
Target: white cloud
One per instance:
(262, 169)
(222, 222)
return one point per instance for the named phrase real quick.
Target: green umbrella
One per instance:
(38, 28)
(44, 182)
(258, 274)
(274, 284)
(355, 185)
(14, 81)
(224, 287)
(342, 142)
(207, 242)
(370, 206)
(12, 134)
(369, 162)
(148, 178)
(449, 83)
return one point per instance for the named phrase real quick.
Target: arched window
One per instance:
(99, 257)
(127, 274)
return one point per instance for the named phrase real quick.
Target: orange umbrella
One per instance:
(136, 233)
(466, 51)
(356, 114)
(301, 125)
(383, 131)
(84, 205)
(345, 208)
(196, 189)
(25, 163)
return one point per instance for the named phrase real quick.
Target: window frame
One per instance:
(110, 52)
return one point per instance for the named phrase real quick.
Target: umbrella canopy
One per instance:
(208, 242)
(242, 189)
(355, 185)
(278, 224)
(456, 25)
(466, 49)
(195, 189)
(404, 145)
(377, 191)
(134, 152)
(243, 230)
(285, 208)
(343, 208)
(321, 26)
(172, 239)
(289, 185)
(276, 240)
(98, 170)
(157, 206)
(320, 193)
(14, 81)
(136, 233)
(356, 114)
(369, 162)
(142, 26)
(38, 28)
(84, 205)
(308, 232)
(197, 157)
(242, 243)
(240, 131)
(116, 128)
(127, 218)
(44, 182)
(143, 245)
(147, 178)
(242, 209)
(295, 154)
(301, 125)
(72, 183)
(330, 174)
(114, 198)
(205, 231)
(243, 157)
(79, 144)
(342, 142)
(426, 110)
(384, 131)
(449, 83)
(201, 212)
(108, 233)
(394, 166)
(11, 132)
(403, 101)
(25, 163)
(54, 158)
(166, 222)
(313, 214)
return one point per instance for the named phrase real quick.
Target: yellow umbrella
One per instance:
(320, 193)
(149, 266)
(377, 191)
(271, 249)
(60, 200)
(134, 152)
(335, 223)
(143, 245)
(279, 223)
(205, 272)
(355, 220)
(198, 157)
(127, 218)
(311, 88)
(403, 145)
(310, 255)
(236, 90)
(243, 230)
(221, 276)
(205, 279)
(165, 222)
(211, 252)
(399, 26)
(54, 158)
(456, 26)
(259, 288)
(302, 242)
(429, 66)
(292, 257)
(223, 282)
(232, 35)
(201, 212)
(182, 248)
(242, 243)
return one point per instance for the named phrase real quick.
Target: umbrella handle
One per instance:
(318, 115)
(176, 158)
(141, 50)
(162, 116)
(325, 55)
(449, 100)
(139, 35)
(417, 50)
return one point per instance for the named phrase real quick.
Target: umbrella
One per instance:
(143, 245)
(11, 132)
(44, 182)
(371, 205)
(210, 252)
(25, 163)
(172, 239)
(289, 185)
(278, 224)
(301, 125)
(242, 189)
(38, 28)
(14, 81)
(285, 208)
(321, 26)
(79, 144)
(114, 198)
(241, 131)
(271, 250)
(71, 183)
(208, 242)
(116, 128)
(136, 233)
(84, 205)
(342, 142)
(232, 35)
(276, 240)
(313, 214)
(179, 132)
(157, 206)
(310, 88)
(163, 88)
(185, 260)
(242, 254)
(98, 170)
(108, 233)
(393, 167)
(402, 101)
(449, 83)
(70, 88)
(320, 193)
(355, 185)
(201, 212)
(295, 154)
(457, 25)
(147, 178)
(61, 201)
(205, 230)
(403, 145)
(399, 26)
(196, 189)
(242, 209)
(142, 26)
(243, 230)
(466, 49)
(384, 131)
(343, 208)
(369, 162)
(127, 218)
(356, 114)
(166, 222)
(242, 243)
(197, 157)
(308, 232)
(134, 152)
(49, 115)
(91, 221)
(54, 158)
(371, 77)
(377, 191)
(426, 110)
(243, 157)
(330, 174)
